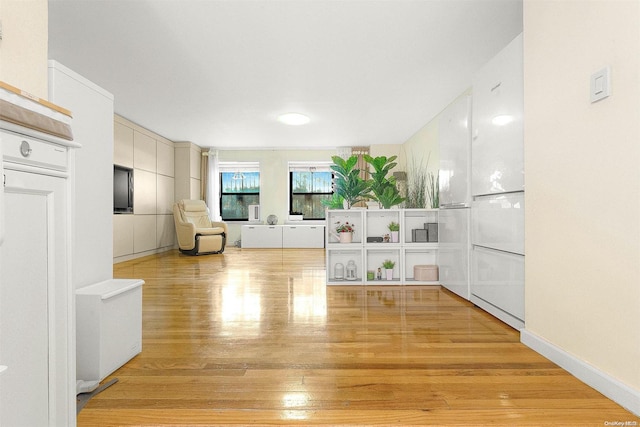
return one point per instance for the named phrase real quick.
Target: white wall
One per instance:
(274, 178)
(422, 149)
(24, 44)
(92, 126)
(582, 164)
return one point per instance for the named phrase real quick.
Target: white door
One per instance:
(497, 150)
(454, 141)
(453, 250)
(29, 392)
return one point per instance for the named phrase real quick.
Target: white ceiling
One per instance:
(218, 73)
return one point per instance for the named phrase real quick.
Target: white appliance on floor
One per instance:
(109, 329)
(455, 196)
(497, 186)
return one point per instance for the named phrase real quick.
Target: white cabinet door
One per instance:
(454, 140)
(123, 235)
(261, 236)
(498, 222)
(34, 303)
(498, 279)
(497, 155)
(302, 236)
(453, 250)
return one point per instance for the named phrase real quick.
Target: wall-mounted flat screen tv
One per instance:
(122, 189)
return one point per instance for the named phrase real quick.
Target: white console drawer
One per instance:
(29, 151)
(498, 222)
(282, 236)
(303, 236)
(261, 236)
(498, 278)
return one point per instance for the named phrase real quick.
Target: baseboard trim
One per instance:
(613, 388)
(497, 312)
(129, 257)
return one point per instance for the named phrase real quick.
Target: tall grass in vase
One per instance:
(416, 185)
(433, 189)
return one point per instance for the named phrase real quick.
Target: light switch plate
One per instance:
(600, 84)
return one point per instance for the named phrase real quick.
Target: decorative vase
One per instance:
(352, 272)
(346, 237)
(394, 237)
(389, 273)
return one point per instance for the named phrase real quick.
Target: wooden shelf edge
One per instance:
(34, 98)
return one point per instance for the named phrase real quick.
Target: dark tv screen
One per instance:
(122, 190)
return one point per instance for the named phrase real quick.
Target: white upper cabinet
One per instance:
(497, 158)
(122, 145)
(144, 152)
(165, 158)
(455, 148)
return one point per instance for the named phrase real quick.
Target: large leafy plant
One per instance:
(347, 181)
(383, 187)
(336, 201)
(390, 197)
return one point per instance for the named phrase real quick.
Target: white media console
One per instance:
(283, 236)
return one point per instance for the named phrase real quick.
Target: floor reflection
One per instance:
(309, 297)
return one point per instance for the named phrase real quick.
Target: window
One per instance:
(310, 184)
(239, 188)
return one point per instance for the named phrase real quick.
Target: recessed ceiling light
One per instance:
(293, 119)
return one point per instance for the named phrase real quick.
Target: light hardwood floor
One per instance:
(255, 337)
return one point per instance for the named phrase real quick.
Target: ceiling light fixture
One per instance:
(293, 119)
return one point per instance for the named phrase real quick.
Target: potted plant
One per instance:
(394, 228)
(383, 189)
(345, 231)
(388, 265)
(390, 197)
(336, 201)
(347, 181)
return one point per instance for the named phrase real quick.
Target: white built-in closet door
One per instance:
(27, 299)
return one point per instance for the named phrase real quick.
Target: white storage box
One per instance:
(109, 327)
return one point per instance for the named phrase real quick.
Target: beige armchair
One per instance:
(197, 234)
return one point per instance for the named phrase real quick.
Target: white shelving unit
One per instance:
(368, 252)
